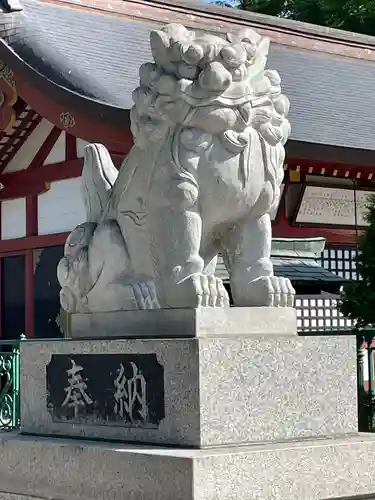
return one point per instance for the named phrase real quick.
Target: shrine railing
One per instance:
(320, 314)
(10, 382)
(9, 385)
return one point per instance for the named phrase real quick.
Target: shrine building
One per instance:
(67, 72)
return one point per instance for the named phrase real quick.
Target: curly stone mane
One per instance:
(218, 85)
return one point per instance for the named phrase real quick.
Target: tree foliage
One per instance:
(350, 15)
(358, 297)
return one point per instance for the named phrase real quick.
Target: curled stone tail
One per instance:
(98, 177)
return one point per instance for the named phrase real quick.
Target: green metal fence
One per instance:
(9, 384)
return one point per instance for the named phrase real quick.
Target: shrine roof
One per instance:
(86, 54)
(296, 259)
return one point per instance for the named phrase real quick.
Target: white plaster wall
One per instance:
(57, 153)
(13, 218)
(61, 209)
(29, 149)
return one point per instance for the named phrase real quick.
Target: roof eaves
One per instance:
(215, 19)
(42, 64)
(208, 11)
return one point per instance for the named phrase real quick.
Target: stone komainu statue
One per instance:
(209, 125)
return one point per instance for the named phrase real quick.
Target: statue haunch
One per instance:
(209, 126)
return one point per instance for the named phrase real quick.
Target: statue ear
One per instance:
(260, 57)
(160, 43)
(262, 50)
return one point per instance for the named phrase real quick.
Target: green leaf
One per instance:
(358, 297)
(350, 15)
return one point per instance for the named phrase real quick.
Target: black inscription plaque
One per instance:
(106, 389)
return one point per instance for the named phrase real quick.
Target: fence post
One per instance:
(16, 385)
(371, 391)
(9, 385)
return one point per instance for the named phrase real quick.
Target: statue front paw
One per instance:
(198, 290)
(268, 291)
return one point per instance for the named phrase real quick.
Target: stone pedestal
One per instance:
(79, 470)
(237, 416)
(210, 392)
(204, 322)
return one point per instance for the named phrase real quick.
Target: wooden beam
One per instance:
(31, 230)
(45, 149)
(23, 190)
(19, 245)
(31, 215)
(115, 138)
(29, 118)
(282, 228)
(34, 181)
(29, 294)
(70, 147)
(330, 169)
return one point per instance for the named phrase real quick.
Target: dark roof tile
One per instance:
(81, 53)
(308, 270)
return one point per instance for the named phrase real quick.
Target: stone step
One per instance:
(202, 322)
(316, 469)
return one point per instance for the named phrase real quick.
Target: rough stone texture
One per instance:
(209, 124)
(10, 496)
(202, 322)
(218, 391)
(72, 470)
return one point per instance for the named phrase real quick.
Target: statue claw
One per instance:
(269, 291)
(200, 290)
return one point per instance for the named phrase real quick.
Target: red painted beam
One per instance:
(23, 190)
(31, 230)
(31, 215)
(35, 181)
(70, 147)
(11, 148)
(115, 139)
(281, 228)
(31, 242)
(45, 149)
(331, 169)
(29, 294)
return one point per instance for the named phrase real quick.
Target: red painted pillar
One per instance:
(31, 230)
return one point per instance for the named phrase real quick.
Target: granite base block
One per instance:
(71, 470)
(207, 392)
(202, 322)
